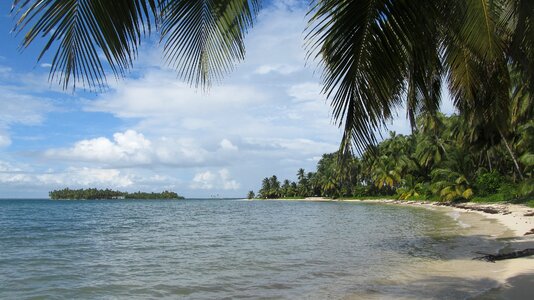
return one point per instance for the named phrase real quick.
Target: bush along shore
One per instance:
(93, 193)
(444, 160)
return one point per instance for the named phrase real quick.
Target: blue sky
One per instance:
(150, 131)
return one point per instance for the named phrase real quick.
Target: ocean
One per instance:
(216, 249)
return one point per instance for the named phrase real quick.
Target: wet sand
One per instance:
(511, 279)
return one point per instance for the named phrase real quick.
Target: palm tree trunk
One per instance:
(489, 161)
(511, 155)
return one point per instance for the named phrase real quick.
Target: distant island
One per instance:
(92, 194)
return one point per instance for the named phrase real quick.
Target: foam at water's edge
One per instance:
(456, 216)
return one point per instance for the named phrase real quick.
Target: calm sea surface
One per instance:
(212, 249)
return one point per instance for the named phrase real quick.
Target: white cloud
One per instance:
(203, 180)
(84, 176)
(277, 68)
(19, 103)
(227, 145)
(208, 180)
(307, 91)
(12, 174)
(5, 140)
(22, 109)
(87, 177)
(299, 147)
(133, 149)
(127, 147)
(5, 70)
(46, 65)
(159, 95)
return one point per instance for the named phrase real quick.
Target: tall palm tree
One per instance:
(275, 187)
(375, 54)
(265, 190)
(385, 173)
(302, 182)
(285, 190)
(301, 174)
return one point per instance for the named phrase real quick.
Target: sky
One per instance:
(150, 131)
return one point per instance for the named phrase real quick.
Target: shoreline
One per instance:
(514, 277)
(510, 215)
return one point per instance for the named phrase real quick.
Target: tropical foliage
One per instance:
(92, 193)
(451, 168)
(375, 54)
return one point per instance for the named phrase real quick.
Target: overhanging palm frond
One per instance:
(478, 24)
(365, 48)
(519, 21)
(83, 29)
(425, 69)
(204, 38)
(473, 51)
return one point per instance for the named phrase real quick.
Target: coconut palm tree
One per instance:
(285, 190)
(274, 192)
(451, 186)
(385, 173)
(375, 54)
(265, 190)
(411, 187)
(302, 184)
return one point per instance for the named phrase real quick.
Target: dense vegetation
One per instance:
(88, 194)
(443, 159)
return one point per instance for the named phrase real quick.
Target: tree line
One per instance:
(93, 193)
(445, 158)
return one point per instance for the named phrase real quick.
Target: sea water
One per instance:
(213, 249)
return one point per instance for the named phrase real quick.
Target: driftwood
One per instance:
(494, 257)
(486, 209)
(529, 214)
(530, 232)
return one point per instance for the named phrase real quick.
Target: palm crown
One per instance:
(376, 55)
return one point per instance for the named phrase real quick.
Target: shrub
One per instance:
(509, 190)
(526, 188)
(361, 190)
(488, 183)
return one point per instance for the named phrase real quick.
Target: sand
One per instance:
(514, 277)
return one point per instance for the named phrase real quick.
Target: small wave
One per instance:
(456, 216)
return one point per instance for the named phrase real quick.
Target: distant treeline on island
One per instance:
(89, 194)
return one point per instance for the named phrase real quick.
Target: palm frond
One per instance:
(520, 20)
(478, 26)
(366, 49)
(81, 30)
(473, 52)
(203, 39)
